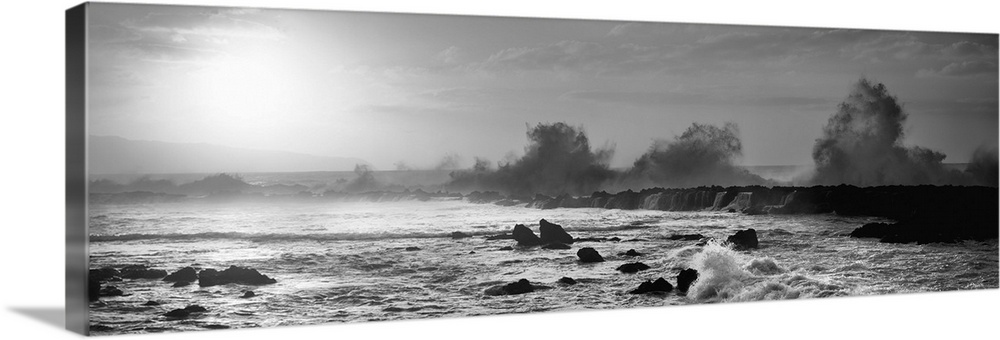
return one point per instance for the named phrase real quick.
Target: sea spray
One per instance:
(720, 272)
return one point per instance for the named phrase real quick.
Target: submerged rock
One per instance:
(589, 255)
(685, 278)
(524, 236)
(179, 284)
(500, 237)
(248, 294)
(412, 248)
(744, 239)
(660, 285)
(140, 271)
(567, 280)
(686, 237)
(459, 234)
(184, 274)
(874, 230)
(233, 274)
(632, 267)
(111, 291)
(631, 252)
(520, 287)
(185, 312)
(151, 303)
(556, 245)
(551, 232)
(506, 248)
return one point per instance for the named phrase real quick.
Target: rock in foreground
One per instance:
(589, 255)
(520, 287)
(660, 285)
(234, 274)
(551, 232)
(525, 237)
(744, 239)
(186, 274)
(685, 278)
(632, 267)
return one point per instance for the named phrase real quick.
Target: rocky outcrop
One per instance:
(103, 274)
(522, 286)
(186, 274)
(233, 274)
(685, 278)
(634, 267)
(658, 286)
(551, 232)
(567, 280)
(248, 294)
(958, 212)
(525, 237)
(140, 271)
(589, 255)
(744, 239)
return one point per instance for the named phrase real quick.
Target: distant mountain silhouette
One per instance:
(116, 155)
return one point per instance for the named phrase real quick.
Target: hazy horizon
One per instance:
(408, 90)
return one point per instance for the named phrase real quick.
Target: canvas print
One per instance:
(266, 167)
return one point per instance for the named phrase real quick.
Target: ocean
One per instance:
(338, 261)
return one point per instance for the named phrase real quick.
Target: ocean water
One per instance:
(347, 262)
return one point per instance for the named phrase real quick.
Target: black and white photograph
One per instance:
(261, 167)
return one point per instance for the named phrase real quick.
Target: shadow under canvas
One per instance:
(53, 316)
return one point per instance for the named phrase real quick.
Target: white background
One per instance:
(32, 209)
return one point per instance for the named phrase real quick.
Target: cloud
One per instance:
(662, 98)
(961, 69)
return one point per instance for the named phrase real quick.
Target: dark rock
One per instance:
(500, 237)
(520, 287)
(151, 303)
(615, 238)
(589, 255)
(685, 278)
(636, 240)
(103, 274)
(412, 248)
(472, 252)
(184, 274)
(567, 280)
(589, 239)
(195, 309)
(525, 237)
(213, 326)
(660, 285)
(140, 271)
(506, 248)
(686, 237)
(233, 274)
(744, 239)
(630, 252)
(248, 294)
(632, 267)
(731, 210)
(556, 245)
(178, 313)
(179, 284)
(873, 230)
(551, 232)
(93, 289)
(101, 328)
(111, 291)
(459, 234)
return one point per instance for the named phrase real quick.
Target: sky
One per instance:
(411, 89)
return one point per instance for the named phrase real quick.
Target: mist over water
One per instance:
(862, 144)
(983, 167)
(703, 155)
(558, 159)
